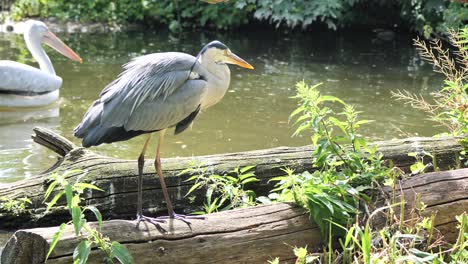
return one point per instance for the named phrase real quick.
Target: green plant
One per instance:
(223, 192)
(337, 188)
(450, 106)
(423, 16)
(302, 256)
(433, 16)
(73, 192)
(15, 206)
(459, 252)
(420, 166)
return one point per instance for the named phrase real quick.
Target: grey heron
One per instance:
(26, 86)
(156, 92)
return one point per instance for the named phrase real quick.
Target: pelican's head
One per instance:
(221, 54)
(37, 31)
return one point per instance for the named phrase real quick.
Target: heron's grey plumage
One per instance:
(154, 92)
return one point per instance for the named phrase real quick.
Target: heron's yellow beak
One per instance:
(54, 42)
(234, 59)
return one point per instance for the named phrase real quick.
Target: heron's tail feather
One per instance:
(91, 119)
(94, 133)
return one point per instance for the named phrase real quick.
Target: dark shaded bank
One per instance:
(422, 16)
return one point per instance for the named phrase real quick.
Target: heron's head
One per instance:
(221, 54)
(37, 31)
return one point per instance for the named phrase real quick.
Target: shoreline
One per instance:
(70, 27)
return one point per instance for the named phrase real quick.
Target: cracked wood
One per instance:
(118, 178)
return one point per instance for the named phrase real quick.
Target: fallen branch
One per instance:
(118, 178)
(250, 235)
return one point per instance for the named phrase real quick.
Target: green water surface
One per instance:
(358, 68)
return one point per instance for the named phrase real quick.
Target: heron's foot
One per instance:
(152, 220)
(182, 217)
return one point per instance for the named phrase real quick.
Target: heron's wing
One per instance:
(161, 113)
(22, 79)
(152, 92)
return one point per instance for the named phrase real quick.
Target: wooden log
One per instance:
(249, 235)
(118, 178)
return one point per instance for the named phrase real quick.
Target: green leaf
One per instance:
(81, 252)
(338, 123)
(418, 166)
(121, 253)
(194, 177)
(330, 98)
(77, 219)
(230, 178)
(361, 122)
(87, 186)
(68, 194)
(246, 168)
(301, 128)
(297, 111)
(359, 143)
(96, 212)
(315, 137)
(193, 188)
(246, 176)
(300, 253)
(217, 178)
(50, 189)
(55, 239)
(76, 200)
(250, 180)
(54, 200)
(279, 178)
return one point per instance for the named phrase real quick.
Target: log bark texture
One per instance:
(250, 235)
(118, 178)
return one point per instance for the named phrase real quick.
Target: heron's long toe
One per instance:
(182, 217)
(152, 220)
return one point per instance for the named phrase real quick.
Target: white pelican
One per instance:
(25, 86)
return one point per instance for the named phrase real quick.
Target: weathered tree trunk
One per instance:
(118, 178)
(250, 235)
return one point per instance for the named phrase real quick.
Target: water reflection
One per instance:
(254, 113)
(19, 155)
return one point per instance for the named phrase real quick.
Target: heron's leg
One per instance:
(170, 208)
(157, 165)
(141, 163)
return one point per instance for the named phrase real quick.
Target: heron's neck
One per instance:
(220, 71)
(34, 46)
(218, 78)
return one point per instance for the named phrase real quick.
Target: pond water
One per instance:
(358, 68)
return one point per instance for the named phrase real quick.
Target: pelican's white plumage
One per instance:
(25, 86)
